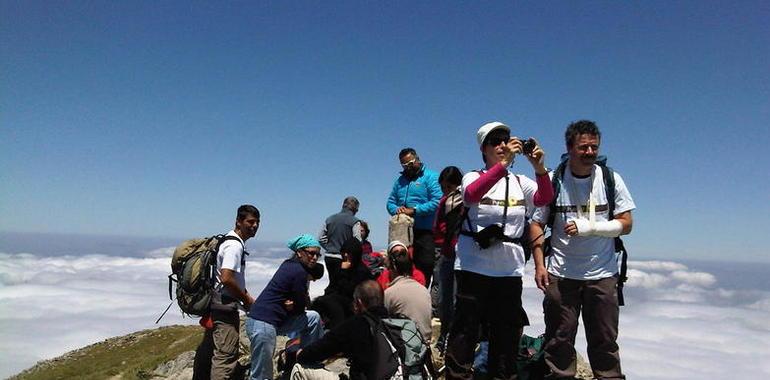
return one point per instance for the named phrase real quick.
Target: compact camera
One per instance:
(528, 146)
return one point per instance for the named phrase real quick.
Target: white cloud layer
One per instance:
(678, 323)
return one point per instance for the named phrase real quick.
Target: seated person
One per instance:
(280, 308)
(351, 339)
(336, 303)
(375, 261)
(387, 276)
(407, 297)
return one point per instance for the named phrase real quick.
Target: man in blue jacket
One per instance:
(416, 193)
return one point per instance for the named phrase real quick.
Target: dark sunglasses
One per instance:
(496, 140)
(311, 253)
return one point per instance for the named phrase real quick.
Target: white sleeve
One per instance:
(623, 200)
(357, 231)
(231, 252)
(468, 179)
(541, 214)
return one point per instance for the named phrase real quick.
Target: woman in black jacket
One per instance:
(336, 304)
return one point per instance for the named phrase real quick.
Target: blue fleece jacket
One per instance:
(421, 193)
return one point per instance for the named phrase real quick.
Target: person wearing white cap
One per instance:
(396, 247)
(490, 256)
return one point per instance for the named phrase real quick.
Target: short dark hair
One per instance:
(352, 247)
(369, 293)
(244, 211)
(401, 263)
(351, 203)
(365, 226)
(451, 174)
(580, 127)
(405, 152)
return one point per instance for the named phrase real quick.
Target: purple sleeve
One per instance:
(544, 193)
(476, 190)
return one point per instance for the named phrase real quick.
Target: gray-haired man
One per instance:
(336, 230)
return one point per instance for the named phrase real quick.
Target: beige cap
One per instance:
(396, 243)
(487, 128)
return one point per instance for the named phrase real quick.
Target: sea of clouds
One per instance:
(679, 322)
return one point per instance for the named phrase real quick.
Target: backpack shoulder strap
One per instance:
(609, 189)
(558, 175)
(224, 238)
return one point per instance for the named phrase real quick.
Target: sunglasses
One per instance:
(409, 163)
(496, 140)
(312, 253)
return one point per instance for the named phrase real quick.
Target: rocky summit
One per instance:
(165, 353)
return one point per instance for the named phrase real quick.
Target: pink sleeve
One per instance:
(481, 185)
(544, 193)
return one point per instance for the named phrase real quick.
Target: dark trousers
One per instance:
(444, 278)
(333, 308)
(598, 300)
(333, 265)
(497, 302)
(424, 251)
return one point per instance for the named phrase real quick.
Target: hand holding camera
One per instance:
(535, 154)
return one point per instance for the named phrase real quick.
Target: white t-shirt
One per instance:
(583, 257)
(230, 256)
(501, 259)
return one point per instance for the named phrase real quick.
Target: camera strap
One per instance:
(505, 205)
(470, 232)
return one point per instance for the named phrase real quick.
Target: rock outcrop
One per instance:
(166, 353)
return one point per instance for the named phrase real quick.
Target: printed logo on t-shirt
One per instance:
(512, 202)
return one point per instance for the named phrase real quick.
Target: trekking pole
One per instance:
(165, 311)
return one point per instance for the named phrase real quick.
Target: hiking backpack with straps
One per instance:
(402, 353)
(193, 268)
(608, 175)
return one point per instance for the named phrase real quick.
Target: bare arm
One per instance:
(541, 273)
(627, 221)
(229, 282)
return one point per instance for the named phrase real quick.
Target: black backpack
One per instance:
(609, 188)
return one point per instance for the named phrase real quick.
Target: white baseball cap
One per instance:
(396, 243)
(487, 128)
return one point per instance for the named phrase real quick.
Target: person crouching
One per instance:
(280, 308)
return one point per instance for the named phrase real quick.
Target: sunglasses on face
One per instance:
(312, 253)
(497, 140)
(409, 163)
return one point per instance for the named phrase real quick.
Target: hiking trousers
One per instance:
(497, 302)
(563, 303)
(217, 355)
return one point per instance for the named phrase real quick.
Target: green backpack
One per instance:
(530, 359)
(193, 268)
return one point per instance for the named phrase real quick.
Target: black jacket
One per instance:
(353, 339)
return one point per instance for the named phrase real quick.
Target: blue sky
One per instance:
(146, 118)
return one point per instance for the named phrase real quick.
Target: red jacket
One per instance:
(446, 224)
(384, 279)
